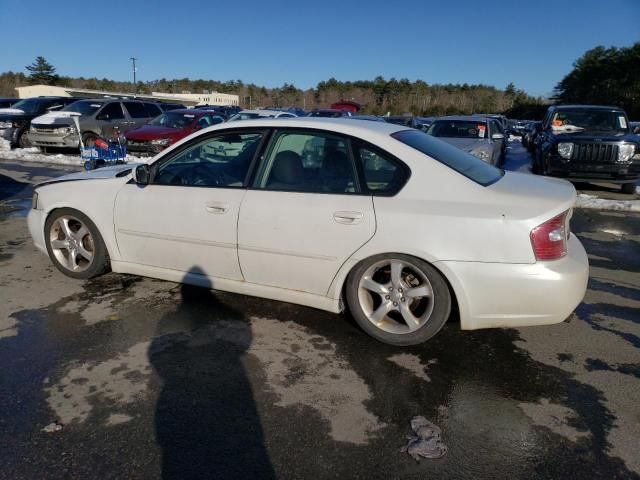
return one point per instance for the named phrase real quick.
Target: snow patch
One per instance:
(34, 154)
(589, 201)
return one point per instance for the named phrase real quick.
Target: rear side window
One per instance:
(153, 109)
(382, 175)
(111, 111)
(454, 158)
(136, 109)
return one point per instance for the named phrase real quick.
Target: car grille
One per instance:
(46, 130)
(595, 153)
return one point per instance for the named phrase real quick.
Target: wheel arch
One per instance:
(459, 304)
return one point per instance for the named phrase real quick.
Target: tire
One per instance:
(404, 320)
(91, 256)
(23, 139)
(628, 188)
(89, 139)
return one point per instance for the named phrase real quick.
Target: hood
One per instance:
(98, 174)
(466, 144)
(153, 132)
(591, 136)
(11, 111)
(57, 118)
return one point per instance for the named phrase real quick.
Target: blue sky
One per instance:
(532, 44)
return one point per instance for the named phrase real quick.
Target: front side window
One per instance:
(220, 161)
(111, 111)
(136, 109)
(454, 158)
(308, 162)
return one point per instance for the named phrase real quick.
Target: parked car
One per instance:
(98, 117)
(15, 121)
(530, 134)
(422, 123)
(371, 118)
(168, 128)
(298, 112)
(405, 120)
(587, 143)
(519, 127)
(7, 102)
(329, 113)
(480, 136)
(165, 107)
(263, 113)
(224, 110)
(382, 219)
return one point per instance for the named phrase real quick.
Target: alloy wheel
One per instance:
(72, 243)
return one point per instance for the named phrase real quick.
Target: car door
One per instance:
(108, 120)
(137, 112)
(306, 213)
(186, 218)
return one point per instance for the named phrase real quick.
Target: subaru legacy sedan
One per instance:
(395, 225)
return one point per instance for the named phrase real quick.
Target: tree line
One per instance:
(600, 76)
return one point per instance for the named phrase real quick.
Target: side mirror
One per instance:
(142, 174)
(497, 136)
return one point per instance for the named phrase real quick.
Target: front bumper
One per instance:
(35, 223)
(7, 133)
(53, 140)
(590, 172)
(517, 295)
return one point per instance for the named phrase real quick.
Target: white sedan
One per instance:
(399, 226)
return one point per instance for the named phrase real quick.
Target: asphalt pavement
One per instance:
(129, 377)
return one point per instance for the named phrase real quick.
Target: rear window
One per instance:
(459, 160)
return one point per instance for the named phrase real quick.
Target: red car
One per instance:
(168, 128)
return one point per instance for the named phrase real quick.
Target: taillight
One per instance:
(549, 240)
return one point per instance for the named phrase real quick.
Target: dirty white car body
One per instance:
(301, 247)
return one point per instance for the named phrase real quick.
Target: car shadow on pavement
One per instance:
(206, 420)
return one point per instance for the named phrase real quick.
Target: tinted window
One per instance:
(382, 175)
(591, 120)
(221, 161)
(136, 109)
(458, 129)
(30, 106)
(153, 109)
(308, 162)
(111, 111)
(459, 160)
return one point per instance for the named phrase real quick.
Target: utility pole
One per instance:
(135, 85)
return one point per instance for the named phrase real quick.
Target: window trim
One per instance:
(266, 134)
(265, 154)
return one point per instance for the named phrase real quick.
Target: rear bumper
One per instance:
(517, 295)
(35, 223)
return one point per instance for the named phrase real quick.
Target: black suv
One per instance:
(15, 122)
(588, 143)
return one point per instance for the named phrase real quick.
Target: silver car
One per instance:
(97, 118)
(480, 136)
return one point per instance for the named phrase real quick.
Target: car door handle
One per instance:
(348, 218)
(216, 207)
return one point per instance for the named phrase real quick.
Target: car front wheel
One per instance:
(75, 245)
(398, 299)
(628, 188)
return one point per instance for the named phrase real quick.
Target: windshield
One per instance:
(325, 113)
(592, 120)
(459, 160)
(458, 129)
(173, 120)
(28, 105)
(85, 108)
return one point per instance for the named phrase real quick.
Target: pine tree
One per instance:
(42, 72)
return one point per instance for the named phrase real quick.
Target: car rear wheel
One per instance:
(75, 245)
(628, 188)
(398, 299)
(89, 139)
